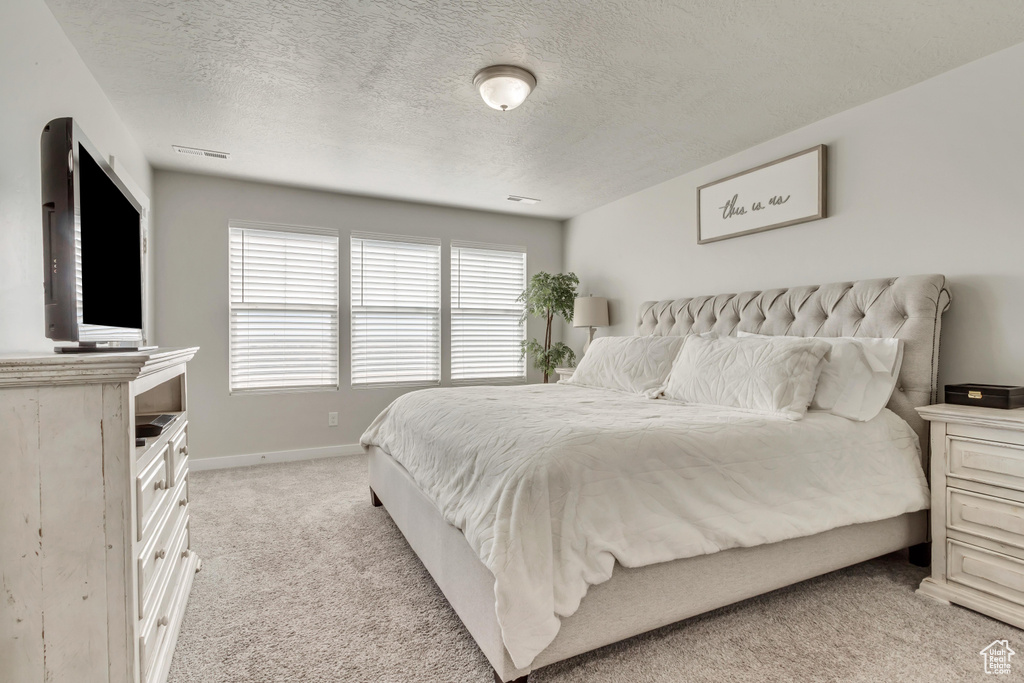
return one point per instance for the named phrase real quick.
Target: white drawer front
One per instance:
(986, 571)
(993, 518)
(154, 642)
(987, 462)
(178, 454)
(153, 635)
(157, 557)
(151, 486)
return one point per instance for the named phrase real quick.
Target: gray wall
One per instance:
(928, 179)
(190, 245)
(42, 78)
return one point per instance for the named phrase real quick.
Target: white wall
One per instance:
(41, 78)
(929, 179)
(190, 245)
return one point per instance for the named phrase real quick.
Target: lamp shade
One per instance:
(590, 311)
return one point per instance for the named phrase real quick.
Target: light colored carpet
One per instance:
(303, 580)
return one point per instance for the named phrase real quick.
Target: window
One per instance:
(487, 318)
(283, 308)
(396, 310)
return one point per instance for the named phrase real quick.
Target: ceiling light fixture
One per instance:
(504, 87)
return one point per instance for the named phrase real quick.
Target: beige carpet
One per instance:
(303, 580)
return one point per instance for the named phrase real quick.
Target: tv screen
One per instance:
(111, 264)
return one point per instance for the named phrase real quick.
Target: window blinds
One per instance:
(283, 308)
(396, 310)
(487, 325)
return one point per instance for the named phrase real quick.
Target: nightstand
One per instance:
(977, 515)
(564, 373)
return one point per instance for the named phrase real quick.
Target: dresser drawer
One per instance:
(986, 571)
(151, 488)
(993, 518)
(987, 462)
(178, 454)
(169, 601)
(156, 557)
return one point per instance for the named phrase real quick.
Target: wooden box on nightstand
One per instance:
(977, 515)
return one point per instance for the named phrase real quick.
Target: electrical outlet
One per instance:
(332, 419)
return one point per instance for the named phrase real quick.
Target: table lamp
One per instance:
(590, 312)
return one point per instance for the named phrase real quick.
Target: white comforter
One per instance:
(552, 484)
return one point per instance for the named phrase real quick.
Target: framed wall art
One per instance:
(783, 192)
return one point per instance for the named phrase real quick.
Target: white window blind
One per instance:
(396, 310)
(487, 325)
(283, 308)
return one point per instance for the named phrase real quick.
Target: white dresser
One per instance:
(94, 531)
(977, 516)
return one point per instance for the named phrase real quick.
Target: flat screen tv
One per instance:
(92, 246)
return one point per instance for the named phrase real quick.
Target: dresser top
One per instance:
(35, 369)
(974, 415)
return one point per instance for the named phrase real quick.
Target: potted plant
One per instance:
(546, 296)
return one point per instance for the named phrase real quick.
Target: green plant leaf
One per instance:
(546, 296)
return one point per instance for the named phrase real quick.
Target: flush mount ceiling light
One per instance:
(504, 87)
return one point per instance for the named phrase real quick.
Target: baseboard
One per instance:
(247, 459)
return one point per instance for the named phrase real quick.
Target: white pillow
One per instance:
(858, 379)
(768, 375)
(638, 365)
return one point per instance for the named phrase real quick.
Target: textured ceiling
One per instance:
(377, 97)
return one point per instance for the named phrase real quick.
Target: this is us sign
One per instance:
(785, 192)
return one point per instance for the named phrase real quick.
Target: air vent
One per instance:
(196, 152)
(522, 200)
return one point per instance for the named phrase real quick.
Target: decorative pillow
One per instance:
(769, 375)
(638, 365)
(858, 379)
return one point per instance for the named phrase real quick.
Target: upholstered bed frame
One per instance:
(637, 600)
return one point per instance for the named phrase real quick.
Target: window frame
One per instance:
(482, 246)
(294, 229)
(352, 310)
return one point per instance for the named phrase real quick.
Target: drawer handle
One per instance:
(183, 502)
(160, 485)
(184, 449)
(162, 621)
(161, 554)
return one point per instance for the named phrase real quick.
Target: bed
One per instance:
(640, 598)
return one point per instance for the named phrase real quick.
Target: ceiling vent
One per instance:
(196, 152)
(522, 200)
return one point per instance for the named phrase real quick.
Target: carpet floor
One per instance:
(303, 580)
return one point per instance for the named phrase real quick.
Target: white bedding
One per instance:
(552, 484)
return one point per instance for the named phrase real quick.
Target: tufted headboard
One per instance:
(908, 308)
